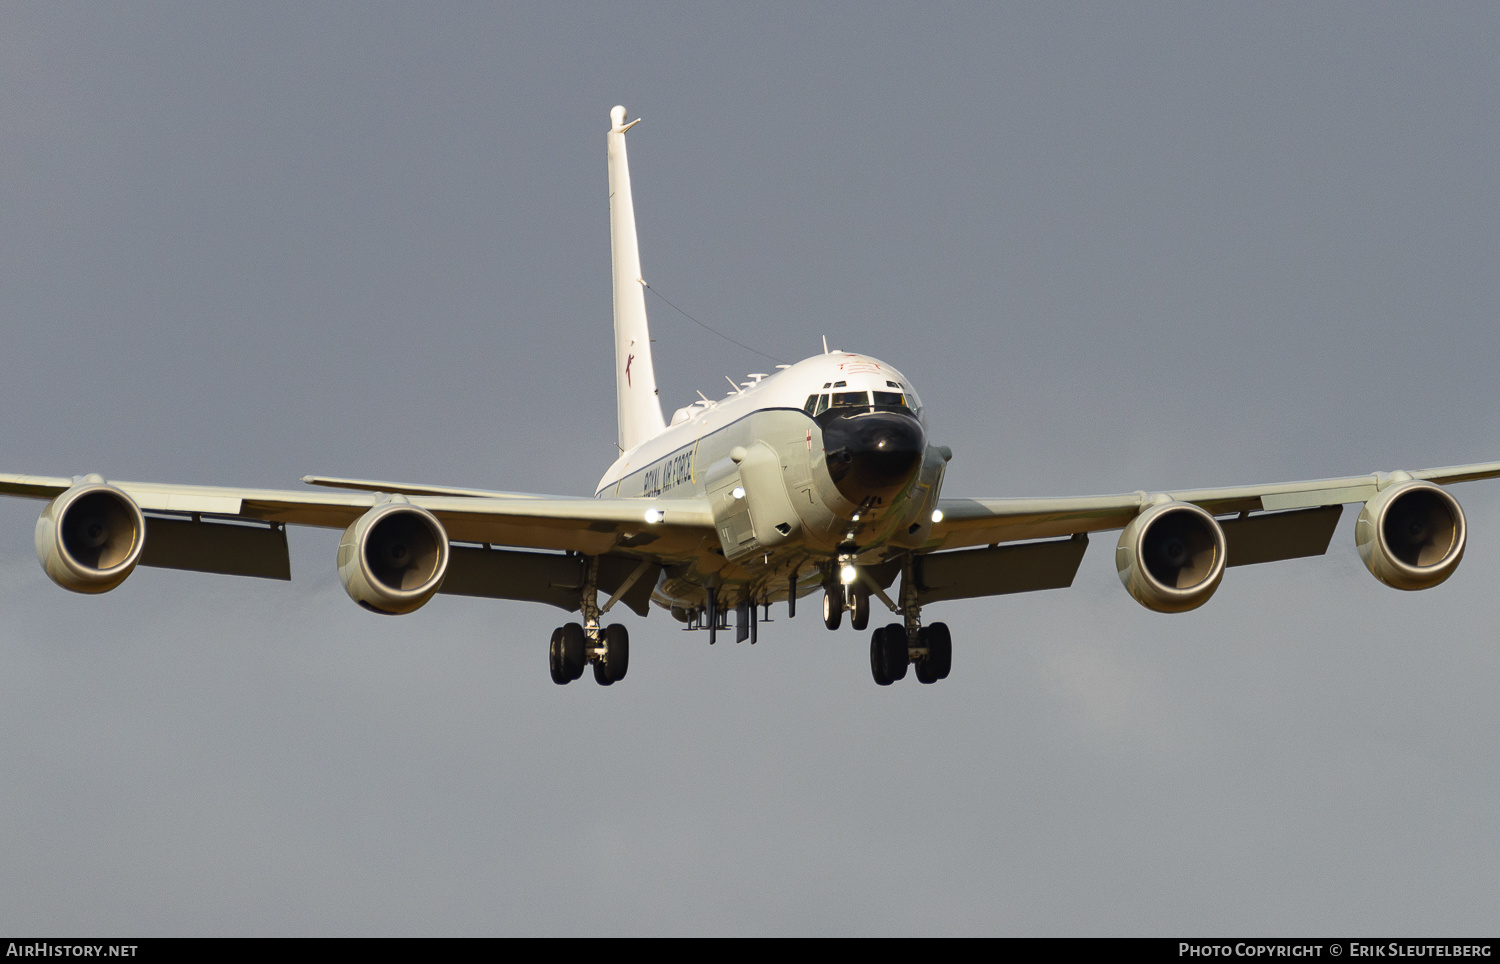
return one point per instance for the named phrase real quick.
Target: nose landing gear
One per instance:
(837, 598)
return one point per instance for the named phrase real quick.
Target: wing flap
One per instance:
(999, 570)
(1275, 536)
(542, 577)
(226, 548)
(545, 577)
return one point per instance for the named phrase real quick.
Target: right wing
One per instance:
(590, 526)
(236, 531)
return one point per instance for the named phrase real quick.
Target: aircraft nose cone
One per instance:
(872, 453)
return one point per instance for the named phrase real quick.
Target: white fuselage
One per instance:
(712, 449)
(698, 428)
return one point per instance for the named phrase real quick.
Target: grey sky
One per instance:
(1114, 247)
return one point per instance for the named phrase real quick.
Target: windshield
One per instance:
(844, 402)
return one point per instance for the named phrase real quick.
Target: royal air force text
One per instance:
(668, 475)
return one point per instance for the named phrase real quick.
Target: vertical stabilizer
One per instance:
(635, 377)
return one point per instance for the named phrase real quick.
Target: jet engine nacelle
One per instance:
(1171, 557)
(393, 558)
(90, 538)
(1411, 535)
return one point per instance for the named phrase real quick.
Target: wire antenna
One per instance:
(708, 329)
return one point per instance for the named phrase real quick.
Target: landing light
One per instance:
(653, 516)
(848, 574)
(739, 492)
(937, 515)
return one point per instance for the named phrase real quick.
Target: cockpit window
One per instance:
(822, 405)
(850, 399)
(890, 398)
(811, 404)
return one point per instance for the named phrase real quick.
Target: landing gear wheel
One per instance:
(877, 658)
(616, 653)
(560, 672)
(897, 655)
(571, 648)
(833, 606)
(888, 654)
(860, 617)
(939, 650)
(923, 666)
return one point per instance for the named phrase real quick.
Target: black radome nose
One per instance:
(872, 453)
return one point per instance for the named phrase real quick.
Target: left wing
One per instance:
(977, 522)
(1414, 540)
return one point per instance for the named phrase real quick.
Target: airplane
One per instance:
(819, 477)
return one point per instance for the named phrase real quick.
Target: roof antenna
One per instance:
(825, 344)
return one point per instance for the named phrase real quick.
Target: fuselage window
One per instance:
(811, 405)
(851, 399)
(822, 405)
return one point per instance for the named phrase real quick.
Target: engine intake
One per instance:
(393, 558)
(1411, 536)
(1171, 557)
(90, 538)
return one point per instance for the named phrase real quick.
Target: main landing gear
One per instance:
(894, 647)
(890, 652)
(572, 650)
(575, 646)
